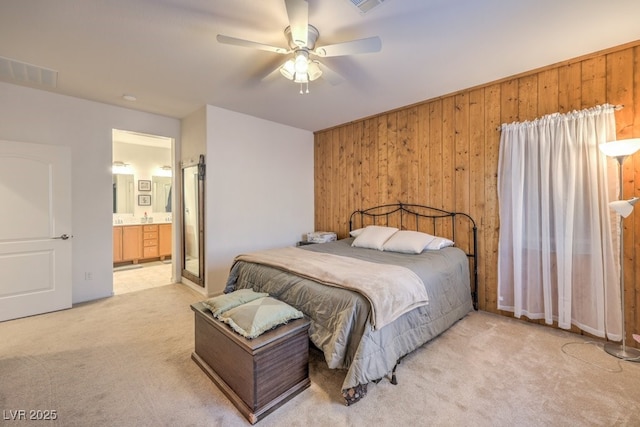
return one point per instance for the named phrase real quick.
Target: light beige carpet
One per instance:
(125, 361)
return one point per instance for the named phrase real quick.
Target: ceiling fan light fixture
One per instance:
(301, 78)
(314, 71)
(301, 62)
(288, 69)
(300, 69)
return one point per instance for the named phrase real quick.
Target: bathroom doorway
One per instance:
(143, 201)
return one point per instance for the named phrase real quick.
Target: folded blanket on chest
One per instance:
(392, 290)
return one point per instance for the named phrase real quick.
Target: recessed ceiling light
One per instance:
(129, 97)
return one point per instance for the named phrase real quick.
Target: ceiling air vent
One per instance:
(365, 6)
(21, 72)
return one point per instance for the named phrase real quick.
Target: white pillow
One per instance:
(356, 232)
(439, 243)
(408, 242)
(373, 237)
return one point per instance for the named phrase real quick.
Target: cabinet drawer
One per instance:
(150, 252)
(150, 235)
(150, 242)
(151, 228)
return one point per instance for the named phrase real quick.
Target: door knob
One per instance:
(63, 237)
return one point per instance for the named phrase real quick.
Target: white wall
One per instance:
(259, 188)
(36, 116)
(194, 137)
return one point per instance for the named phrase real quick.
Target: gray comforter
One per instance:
(340, 325)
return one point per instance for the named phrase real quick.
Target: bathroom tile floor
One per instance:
(149, 275)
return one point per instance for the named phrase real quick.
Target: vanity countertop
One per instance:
(137, 221)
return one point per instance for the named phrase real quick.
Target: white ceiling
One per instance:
(165, 53)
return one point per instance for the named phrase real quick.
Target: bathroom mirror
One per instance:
(161, 194)
(193, 222)
(123, 193)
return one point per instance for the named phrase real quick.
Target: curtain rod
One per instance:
(615, 107)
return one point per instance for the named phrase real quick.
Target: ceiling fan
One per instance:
(302, 68)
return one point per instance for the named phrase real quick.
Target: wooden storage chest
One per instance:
(257, 375)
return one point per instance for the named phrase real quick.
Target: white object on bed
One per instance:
(356, 232)
(408, 242)
(391, 239)
(439, 243)
(373, 237)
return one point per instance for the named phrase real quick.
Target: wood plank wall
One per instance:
(443, 152)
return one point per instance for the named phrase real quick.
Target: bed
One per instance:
(344, 325)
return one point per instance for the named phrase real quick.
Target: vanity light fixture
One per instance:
(121, 167)
(165, 171)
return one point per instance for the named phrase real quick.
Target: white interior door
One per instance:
(35, 229)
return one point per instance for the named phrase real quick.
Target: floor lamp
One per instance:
(621, 150)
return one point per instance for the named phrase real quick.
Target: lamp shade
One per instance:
(301, 77)
(301, 62)
(624, 207)
(288, 69)
(314, 70)
(622, 148)
(300, 69)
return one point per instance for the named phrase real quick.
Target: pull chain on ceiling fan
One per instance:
(302, 38)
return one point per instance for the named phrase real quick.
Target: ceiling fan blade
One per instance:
(246, 43)
(298, 13)
(329, 75)
(368, 45)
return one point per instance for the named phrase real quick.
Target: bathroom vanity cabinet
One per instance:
(135, 243)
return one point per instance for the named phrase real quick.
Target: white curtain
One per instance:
(557, 254)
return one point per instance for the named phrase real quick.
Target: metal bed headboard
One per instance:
(423, 218)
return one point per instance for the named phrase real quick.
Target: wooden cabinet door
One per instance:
(131, 242)
(164, 240)
(117, 244)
